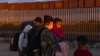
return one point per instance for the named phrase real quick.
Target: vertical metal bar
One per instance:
(59, 16)
(24, 14)
(88, 19)
(92, 31)
(93, 12)
(65, 25)
(80, 23)
(95, 26)
(98, 19)
(68, 22)
(71, 23)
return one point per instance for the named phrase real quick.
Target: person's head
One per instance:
(82, 41)
(37, 21)
(27, 28)
(48, 22)
(58, 22)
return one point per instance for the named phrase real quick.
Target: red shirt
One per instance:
(58, 32)
(81, 52)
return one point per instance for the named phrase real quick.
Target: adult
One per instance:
(48, 43)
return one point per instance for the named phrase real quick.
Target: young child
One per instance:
(82, 51)
(59, 36)
(57, 29)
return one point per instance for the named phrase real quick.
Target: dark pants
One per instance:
(30, 52)
(34, 52)
(23, 52)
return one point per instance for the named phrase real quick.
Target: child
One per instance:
(82, 51)
(59, 36)
(49, 46)
(57, 29)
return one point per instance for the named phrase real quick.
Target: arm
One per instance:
(49, 38)
(20, 41)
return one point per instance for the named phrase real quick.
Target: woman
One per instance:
(48, 44)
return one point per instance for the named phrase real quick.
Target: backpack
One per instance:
(35, 39)
(25, 40)
(14, 42)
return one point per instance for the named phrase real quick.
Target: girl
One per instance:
(59, 36)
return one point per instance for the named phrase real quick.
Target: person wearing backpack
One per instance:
(14, 39)
(23, 40)
(48, 44)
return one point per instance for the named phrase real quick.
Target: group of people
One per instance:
(47, 39)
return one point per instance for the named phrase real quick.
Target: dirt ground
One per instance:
(4, 51)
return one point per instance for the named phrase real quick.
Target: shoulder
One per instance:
(76, 52)
(89, 53)
(46, 32)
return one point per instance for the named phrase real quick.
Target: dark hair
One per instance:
(38, 19)
(82, 40)
(47, 19)
(57, 20)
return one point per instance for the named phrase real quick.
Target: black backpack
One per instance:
(35, 39)
(14, 42)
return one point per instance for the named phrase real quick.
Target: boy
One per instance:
(82, 51)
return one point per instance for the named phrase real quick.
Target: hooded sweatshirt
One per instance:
(22, 41)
